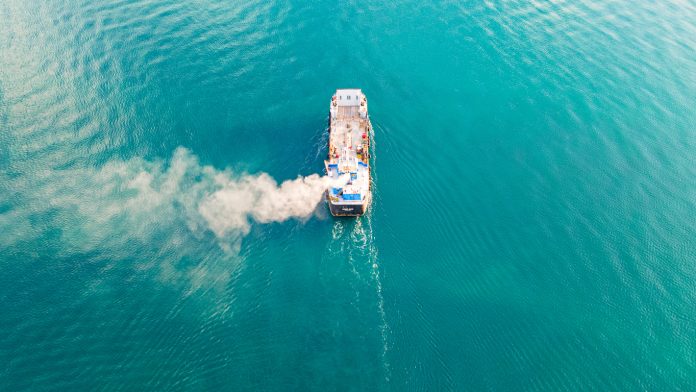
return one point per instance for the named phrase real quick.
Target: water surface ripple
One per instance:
(534, 223)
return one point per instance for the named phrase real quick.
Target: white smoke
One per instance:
(103, 208)
(228, 203)
(261, 198)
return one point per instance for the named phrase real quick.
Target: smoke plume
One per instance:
(106, 207)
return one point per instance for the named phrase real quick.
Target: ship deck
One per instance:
(348, 132)
(348, 158)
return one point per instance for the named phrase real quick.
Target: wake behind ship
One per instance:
(349, 154)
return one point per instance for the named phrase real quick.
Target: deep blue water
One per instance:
(534, 221)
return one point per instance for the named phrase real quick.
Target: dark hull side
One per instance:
(347, 210)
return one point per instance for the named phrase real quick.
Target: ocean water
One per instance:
(534, 216)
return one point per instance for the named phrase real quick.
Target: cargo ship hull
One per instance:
(354, 210)
(347, 209)
(348, 163)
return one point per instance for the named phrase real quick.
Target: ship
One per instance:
(348, 163)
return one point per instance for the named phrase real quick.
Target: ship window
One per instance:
(356, 97)
(349, 97)
(340, 97)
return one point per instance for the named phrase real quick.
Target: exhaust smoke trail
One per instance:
(262, 199)
(102, 208)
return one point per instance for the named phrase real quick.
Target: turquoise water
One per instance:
(534, 221)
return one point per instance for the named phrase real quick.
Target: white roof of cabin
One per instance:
(349, 97)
